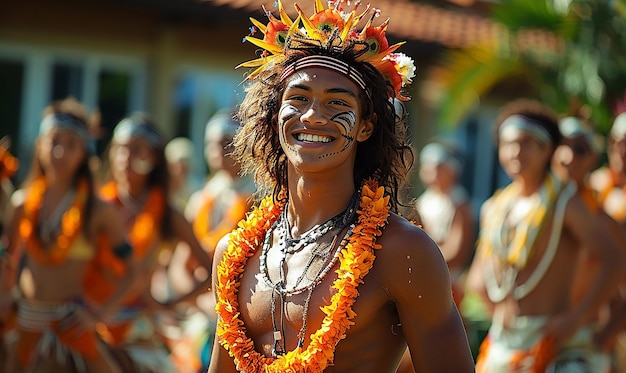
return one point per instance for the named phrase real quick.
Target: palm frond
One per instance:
(466, 76)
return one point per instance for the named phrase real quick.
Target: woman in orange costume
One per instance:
(8, 166)
(153, 227)
(57, 225)
(214, 211)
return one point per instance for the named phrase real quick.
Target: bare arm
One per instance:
(9, 263)
(424, 301)
(458, 246)
(595, 237)
(221, 362)
(108, 223)
(184, 232)
(616, 324)
(474, 282)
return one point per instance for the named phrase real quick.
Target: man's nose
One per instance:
(314, 115)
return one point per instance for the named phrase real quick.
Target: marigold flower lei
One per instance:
(8, 164)
(209, 232)
(145, 229)
(71, 223)
(356, 259)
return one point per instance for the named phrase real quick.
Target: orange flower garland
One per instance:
(71, 223)
(8, 164)
(145, 229)
(356, 259)
(207, 233)
(540, 355)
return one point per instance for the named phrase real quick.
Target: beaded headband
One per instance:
(135, 126)
(333, 31)
(68, 122)
(572, 127)
(519, 123)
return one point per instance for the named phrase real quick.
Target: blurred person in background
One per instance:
(445, 214)
(178, 153)
(139, 190)
(532, 233)
(574, 160)
(8, 167)
(610, 181)
(445, 210)
(214, 211)
(57, 227)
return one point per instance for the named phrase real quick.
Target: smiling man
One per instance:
(323, 275)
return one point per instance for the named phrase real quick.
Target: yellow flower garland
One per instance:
(356, 259)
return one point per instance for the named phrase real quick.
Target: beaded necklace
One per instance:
(356, 258)
(288, 245)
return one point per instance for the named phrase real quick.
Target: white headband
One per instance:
(518, 123)
(325, 62)
(68, 122)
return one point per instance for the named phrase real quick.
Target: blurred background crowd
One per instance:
(150, 88)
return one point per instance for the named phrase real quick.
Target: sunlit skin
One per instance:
(217, 149)
(573, 160)
(617, 155)
(315, 105)
(458, 244)
(406, 296)
(609, 181)
(525, 159)
(131, 161)
(60, 153)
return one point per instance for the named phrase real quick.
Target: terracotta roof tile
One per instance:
(417, 21)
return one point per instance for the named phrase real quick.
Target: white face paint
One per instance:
(347, 121)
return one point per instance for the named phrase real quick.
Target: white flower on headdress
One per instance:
(404, 65)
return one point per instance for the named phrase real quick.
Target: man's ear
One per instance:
(366, 130)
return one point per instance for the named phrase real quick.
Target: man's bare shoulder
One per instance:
(404, 242)
(400, 234)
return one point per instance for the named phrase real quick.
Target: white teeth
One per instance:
(312, 138)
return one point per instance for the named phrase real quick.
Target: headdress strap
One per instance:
(68, 122)
(521, 123)
(326, 62)
(129, 127)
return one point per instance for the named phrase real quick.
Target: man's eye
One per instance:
(339, 102)
(296, 98)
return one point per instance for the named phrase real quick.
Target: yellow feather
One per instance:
(258, 25)
(274, 49)
(319, 6)
(284, 17)
(253, 63)
(294, 27)
(311, 30)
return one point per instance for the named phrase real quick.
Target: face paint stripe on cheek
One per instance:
(346, 119)
(287, 112)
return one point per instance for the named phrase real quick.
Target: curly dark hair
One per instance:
(385, 156)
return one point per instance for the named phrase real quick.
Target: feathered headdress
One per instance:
(334, 30)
